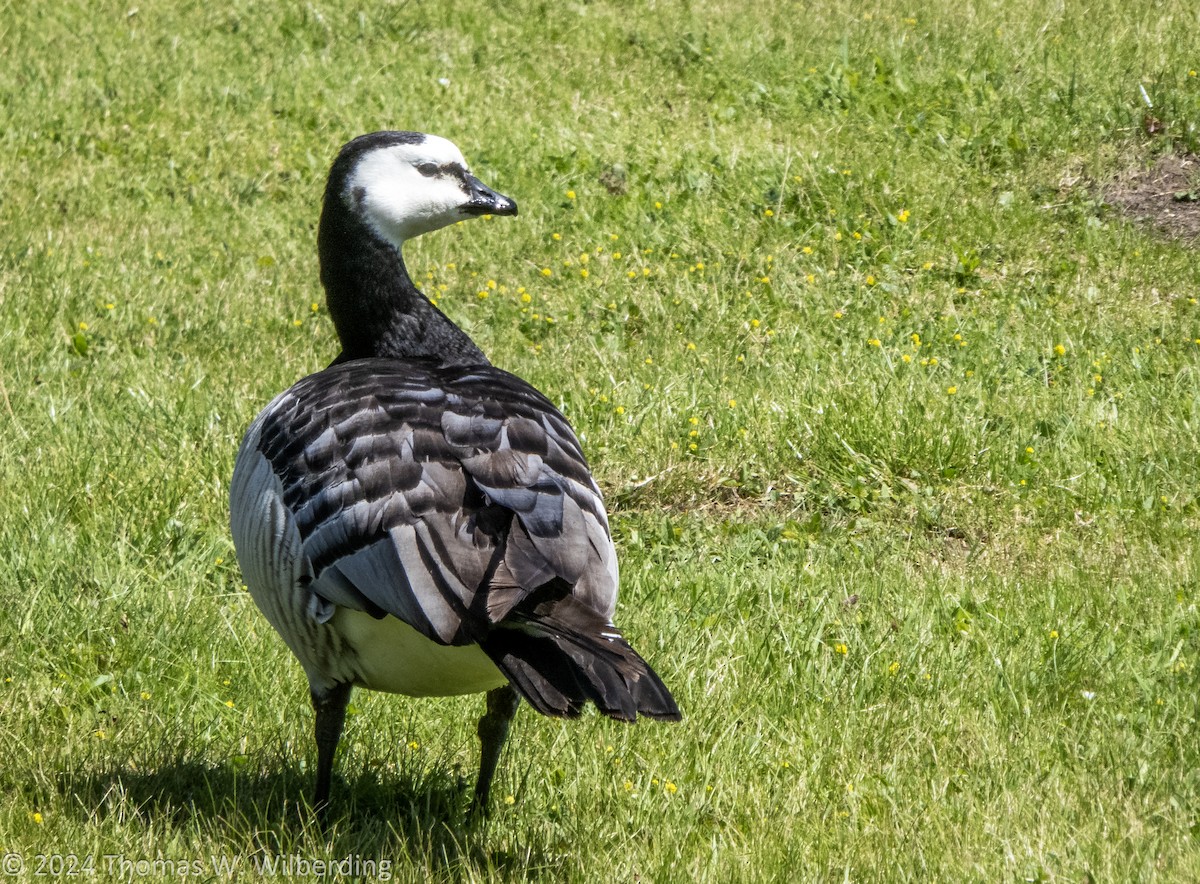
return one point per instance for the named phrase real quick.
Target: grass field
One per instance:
(898, 421)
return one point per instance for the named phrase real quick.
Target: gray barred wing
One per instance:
(441, 496)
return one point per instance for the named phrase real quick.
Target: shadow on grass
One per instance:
(263, 811)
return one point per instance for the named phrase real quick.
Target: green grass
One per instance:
(898, 423)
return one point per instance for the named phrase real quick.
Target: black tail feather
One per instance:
(559, 654)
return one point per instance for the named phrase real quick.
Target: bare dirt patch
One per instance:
(1166, 196)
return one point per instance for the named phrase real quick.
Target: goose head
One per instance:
(384, 189)
(403, 184)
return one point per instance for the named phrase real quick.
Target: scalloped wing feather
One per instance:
(422, 493)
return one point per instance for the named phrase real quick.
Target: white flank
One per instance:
(394, 657)
(269, 552)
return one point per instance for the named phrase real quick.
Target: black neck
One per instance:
(375, 307)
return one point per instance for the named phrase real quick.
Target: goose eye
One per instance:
(428, 169)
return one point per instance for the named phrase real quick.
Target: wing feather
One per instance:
(419, 491)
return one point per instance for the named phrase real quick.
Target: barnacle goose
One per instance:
(413, 519)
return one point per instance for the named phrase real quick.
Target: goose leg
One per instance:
(493, 729)
(330, 707)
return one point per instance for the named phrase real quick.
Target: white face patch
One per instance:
(404, 190)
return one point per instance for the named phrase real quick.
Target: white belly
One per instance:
(392, 656)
